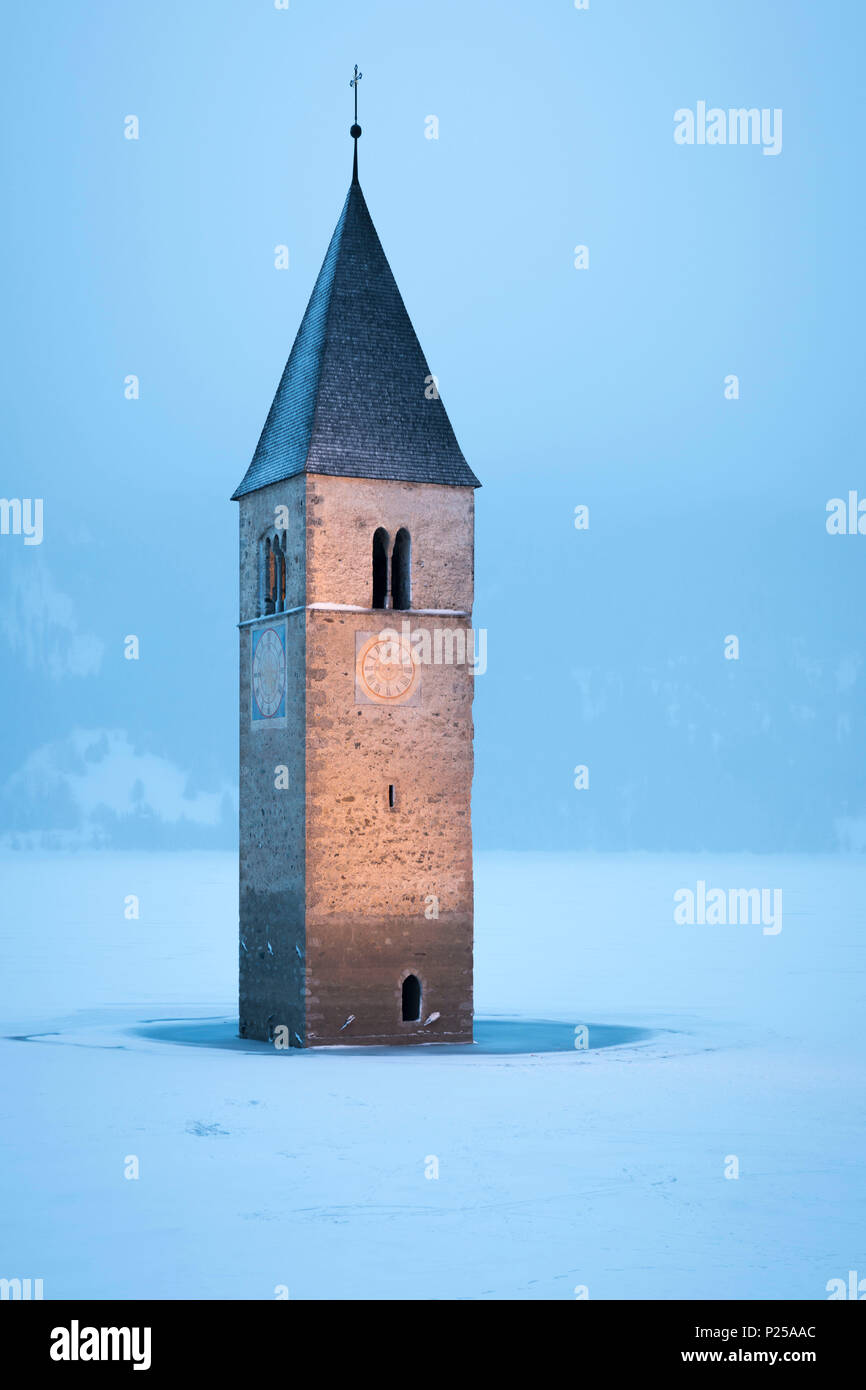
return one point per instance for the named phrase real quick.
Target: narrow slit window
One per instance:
(391, 795)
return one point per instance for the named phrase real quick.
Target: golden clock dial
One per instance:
(386, 669)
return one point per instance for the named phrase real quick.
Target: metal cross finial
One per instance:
(356, 129)
(353, 82)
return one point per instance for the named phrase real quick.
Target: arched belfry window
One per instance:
(269, 587)
(401, 570)
(280, 576)
(272, 574)
(380, 568)
(411, 999)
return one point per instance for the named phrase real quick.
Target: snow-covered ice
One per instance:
(557, 1167)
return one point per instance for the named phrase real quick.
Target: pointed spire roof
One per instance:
(352, 399)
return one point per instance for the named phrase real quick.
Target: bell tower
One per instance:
(356, 679)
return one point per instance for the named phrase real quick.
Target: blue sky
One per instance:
(603, 387)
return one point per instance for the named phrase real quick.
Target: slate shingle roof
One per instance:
(351, 400)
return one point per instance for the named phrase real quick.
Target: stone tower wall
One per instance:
(373, 869)
(271, 900)
(343, 894)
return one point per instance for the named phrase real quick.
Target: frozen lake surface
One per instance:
(558, 1167)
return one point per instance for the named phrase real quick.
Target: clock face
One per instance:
(269, 673)
(386, 670)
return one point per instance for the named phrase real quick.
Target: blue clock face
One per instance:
(268, 675)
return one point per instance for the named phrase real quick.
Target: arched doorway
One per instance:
(411, 999)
